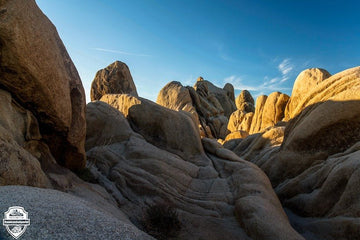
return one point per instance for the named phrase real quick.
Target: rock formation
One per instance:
(245, 102)
(211, 106)
(165, 128)
(217, 195)
(40, 75)
(288, 170)
(269, 111)
(240, 120)
(305, 82)
(313, 161)
(42, 133)
(57, 215)
(114, 79)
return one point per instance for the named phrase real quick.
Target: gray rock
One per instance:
(57, 215)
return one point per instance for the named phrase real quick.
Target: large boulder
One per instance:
(223, 198)
(114, 127)
(57, 215)
(305, 82)
(257, 118)
(269, 111)
(18, 128)
(225, 96)
(274, 109)
(177, 97)
(114, 79)
(240, 120)
(38, 72)
(171, 130)
(211, 106)
(315, 169)
(245, 102)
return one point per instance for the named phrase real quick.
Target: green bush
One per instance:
(162, 221)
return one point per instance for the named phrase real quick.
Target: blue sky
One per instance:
(256, 45)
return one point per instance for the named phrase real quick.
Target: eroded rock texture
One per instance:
(39, 74)
(114, 79)
(211, 106)
(313, 161)
(217, 194)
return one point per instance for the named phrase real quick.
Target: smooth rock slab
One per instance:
(58, 215)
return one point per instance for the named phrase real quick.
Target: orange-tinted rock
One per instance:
(305, 82)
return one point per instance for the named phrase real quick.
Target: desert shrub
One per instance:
(161, 221)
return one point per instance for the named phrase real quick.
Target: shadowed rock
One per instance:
(38, 72)
(315, 170)
(114, 79)
(171, 130)
(245, 102)
(224, 197)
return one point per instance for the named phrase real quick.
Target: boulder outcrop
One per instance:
(38, 72)
(245, 102)
(257, 118)
(170, 130)
(312, 161)
(240, 120)
(114, 79)
(217, 196)
(58, 215)
(211, 106)
(305, 82)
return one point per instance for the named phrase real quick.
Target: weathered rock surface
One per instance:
(237, 135)
(177, 97)
(114, 128)
(114, 79)
(224, 97)
(274, 109)
(18, 127)
(240, 120)
(257, 118)
(328, 89)
(211, 106)
(269, 111)
(38, 72)
(170, 130)
(58, 215)
(245, 102)
(315, 167)
(305, 82)
(218, 196)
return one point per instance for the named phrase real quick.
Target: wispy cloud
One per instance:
(121, 52)
(237, 82)
(285, 67)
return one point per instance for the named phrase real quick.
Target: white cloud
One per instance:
(266, 86)
(121, 52)
(236, 81)
(285, 67)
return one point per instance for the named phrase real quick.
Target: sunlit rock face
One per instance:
(211, 106)
(305, 82)
(312, 160)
